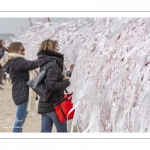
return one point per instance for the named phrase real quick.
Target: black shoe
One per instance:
(2, 83)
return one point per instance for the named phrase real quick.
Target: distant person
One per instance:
(2, 53)
(3, 43)
(3, 49)
(18, 68)
(6, 77)
(56, 83)
(1, 68)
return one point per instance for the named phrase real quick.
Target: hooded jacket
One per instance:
(54, 78)
(18, 68)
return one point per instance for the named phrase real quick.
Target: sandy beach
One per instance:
(8, 111)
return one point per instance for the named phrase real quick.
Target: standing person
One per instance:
(1, 68)
(5, 73)
(18, 68)
(2, 53)
(2, 42)
(56, 83)
(6, 77)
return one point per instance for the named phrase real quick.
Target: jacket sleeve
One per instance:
(51, 79)
(20, 64)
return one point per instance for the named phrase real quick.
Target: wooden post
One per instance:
(49, 20)
(30, 21)
(22, 29)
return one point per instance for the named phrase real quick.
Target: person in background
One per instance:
(56, 84)
(2, 53)
(6, 77)
(1, 68)
(5, 73)
(2, 42)
(19, 70)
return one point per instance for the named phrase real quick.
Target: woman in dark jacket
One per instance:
(56, 83)
(18, 68)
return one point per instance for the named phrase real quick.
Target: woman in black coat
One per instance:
(18, 68)
(56, 83)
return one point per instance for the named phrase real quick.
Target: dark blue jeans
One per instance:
(21, 115)
(47, 123)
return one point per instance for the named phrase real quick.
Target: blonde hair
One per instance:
(49, 45)
(14, 47)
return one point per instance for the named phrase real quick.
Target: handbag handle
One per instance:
(66, 91)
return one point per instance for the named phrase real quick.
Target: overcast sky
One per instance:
(7, 25)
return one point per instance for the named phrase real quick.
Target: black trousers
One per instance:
(1, 74)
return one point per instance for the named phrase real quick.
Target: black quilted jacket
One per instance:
(54, 78)
(18, 68)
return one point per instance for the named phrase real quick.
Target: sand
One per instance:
(8, 112)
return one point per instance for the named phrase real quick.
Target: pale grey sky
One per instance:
(7, 25)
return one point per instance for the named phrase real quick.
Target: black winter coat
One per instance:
(54, 78)
(18, 69)
(2, 52)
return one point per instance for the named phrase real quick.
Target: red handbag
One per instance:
(63, 107)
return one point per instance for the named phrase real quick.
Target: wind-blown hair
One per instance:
(49, 45)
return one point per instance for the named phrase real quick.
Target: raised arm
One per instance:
(20, 64)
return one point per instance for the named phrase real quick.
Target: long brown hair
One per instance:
(14, 47)
(49, 45)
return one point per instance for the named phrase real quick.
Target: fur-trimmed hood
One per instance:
(8, 57)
